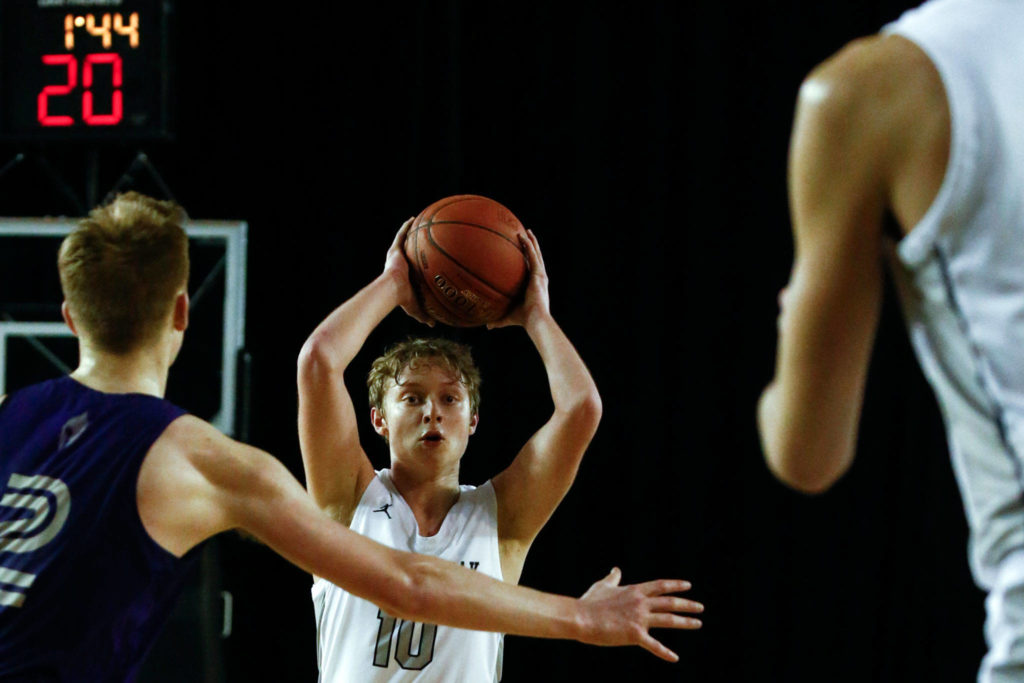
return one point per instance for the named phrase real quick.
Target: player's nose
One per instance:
(431, 411)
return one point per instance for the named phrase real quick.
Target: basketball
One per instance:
(466, 261)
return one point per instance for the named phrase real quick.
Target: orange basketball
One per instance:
(466, 260)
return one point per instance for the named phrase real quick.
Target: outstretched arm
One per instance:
(530, 489)
(337, 468)
(196, 482)
(808, 416)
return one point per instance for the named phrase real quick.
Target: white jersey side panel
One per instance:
(960, 271)
(358, 642)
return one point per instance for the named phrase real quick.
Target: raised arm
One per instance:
(337, 468)
(530, 489)
(840, 160)
(196, 482)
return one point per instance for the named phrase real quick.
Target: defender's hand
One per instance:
(397, 266)
(623, 615)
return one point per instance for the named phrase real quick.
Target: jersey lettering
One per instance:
(42, 504)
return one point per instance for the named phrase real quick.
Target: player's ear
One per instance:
(473, 422)
(380, 423)
(181, 311)
(65, 313)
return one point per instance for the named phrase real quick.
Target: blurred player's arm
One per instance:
(337, 468)
(838, 177)
(196, 482)
(530, 489)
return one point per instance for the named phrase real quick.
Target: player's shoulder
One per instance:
(190, 434)
(192, 444)
(876, 74)
(188, 425)
(864, 102)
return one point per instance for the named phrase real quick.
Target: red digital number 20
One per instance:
(90, 118)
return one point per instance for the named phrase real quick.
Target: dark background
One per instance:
(645, 144)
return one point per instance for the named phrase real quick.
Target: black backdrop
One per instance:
(645, 144)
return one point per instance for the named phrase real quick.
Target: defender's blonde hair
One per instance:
(121, 269)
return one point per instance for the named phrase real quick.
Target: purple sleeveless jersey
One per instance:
(84, 590)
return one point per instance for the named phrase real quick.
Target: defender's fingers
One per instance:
(676, 621)
(663, 586)
(614, 576)
(654, 646)
(668, 603)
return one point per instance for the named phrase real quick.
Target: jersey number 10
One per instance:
(404, 655)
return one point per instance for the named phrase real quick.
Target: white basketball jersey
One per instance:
(961, 269)
(359, 643)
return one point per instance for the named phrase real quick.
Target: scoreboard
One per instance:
(88, 70)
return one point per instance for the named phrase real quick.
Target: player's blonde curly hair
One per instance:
(412, 352)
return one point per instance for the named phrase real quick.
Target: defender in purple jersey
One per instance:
(94, 616)
(108, 490)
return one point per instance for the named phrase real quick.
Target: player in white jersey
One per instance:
(354, 634)
(926, 121)
(424, 397)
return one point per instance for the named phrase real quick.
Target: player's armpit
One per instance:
(178, 493)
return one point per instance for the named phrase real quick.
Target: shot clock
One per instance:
(90, 70)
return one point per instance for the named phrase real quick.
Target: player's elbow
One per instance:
(316, 359)
(800, 475)
(800, 460)
(805, 467)
(588, 410)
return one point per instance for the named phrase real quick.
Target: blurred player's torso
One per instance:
(961, 269)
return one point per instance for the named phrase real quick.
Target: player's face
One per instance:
(427, 415)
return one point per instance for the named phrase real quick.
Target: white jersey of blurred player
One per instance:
(926, 122)
(357, 641)
(961, 276)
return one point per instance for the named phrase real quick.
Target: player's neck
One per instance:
(140, 372)
(429, 498)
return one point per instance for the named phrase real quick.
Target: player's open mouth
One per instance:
(432, 436)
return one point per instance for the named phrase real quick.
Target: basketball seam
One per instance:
(441, 250)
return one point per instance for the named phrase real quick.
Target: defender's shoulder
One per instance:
(189, 434)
